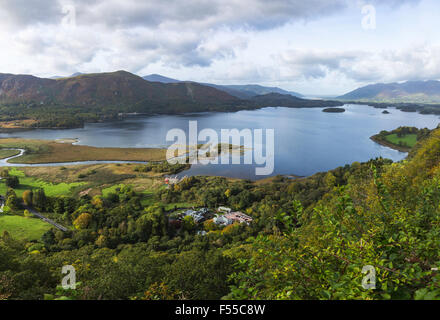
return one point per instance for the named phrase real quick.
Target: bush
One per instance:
(12, 181)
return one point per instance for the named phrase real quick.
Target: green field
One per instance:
(28, 183)
(23, 228)
(408, 140)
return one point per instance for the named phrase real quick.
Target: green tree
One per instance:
(12, 181)
(39, 199)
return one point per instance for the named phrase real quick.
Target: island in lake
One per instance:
(333, 110)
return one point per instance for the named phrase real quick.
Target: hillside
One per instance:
(410, 91)
(28, 102)
(120, 89)
(310, 238)
(240, 91)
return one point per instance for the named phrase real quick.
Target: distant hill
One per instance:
(256, 89)
(72, 75)
(159, 78)
(289, 101)
(240, 91)
(410, 91)
(120, 89)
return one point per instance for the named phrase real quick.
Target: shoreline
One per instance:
(384, 143)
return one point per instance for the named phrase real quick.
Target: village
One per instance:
(222, 216)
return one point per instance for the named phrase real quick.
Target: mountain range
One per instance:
(246, 91)
(409, 91)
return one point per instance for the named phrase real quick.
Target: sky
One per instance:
(315, 47)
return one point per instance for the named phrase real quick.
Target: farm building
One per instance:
(232, 217)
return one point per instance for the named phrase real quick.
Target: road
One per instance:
(39, 215)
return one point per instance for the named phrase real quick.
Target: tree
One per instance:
(48, 238)
(4, 173)
(12, 200)
(83, 221)
(39, 199)
(188, 223)
(27, 197)
(12, 181)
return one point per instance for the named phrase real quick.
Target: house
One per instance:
(199, 215)
(224, 209)
(239, 217)
(221, 219)
(232, 217)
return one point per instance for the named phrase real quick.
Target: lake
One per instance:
(307, 140)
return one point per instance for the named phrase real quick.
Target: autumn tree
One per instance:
(83, 221)
(27, 197)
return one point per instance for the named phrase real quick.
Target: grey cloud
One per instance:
(24, 12)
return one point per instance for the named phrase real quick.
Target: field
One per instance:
(5, 153)
(45, 151)
(23, 228)
(408, 140)
(28, 183)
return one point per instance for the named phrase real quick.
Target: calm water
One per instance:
(306, 140)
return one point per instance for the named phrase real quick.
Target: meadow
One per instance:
(29, 183)
(408, 140)
(23, 228)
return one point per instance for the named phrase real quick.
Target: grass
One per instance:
(112, 189)
(28, 183)
(44, 151)
(23, 228)
(408, 140)
(5, 153)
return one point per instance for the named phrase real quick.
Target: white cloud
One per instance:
(413, 63)
(209, 40)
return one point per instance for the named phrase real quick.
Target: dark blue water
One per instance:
(306, 140)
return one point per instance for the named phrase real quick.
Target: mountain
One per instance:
(240, 91)
(72, 75)
(255, 89)
(410, 91)
(120, 89)
(289, 101)
(159, 78)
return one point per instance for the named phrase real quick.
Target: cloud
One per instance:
(209, 37)
(179, 33)
(22, 13)
(413, 63)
